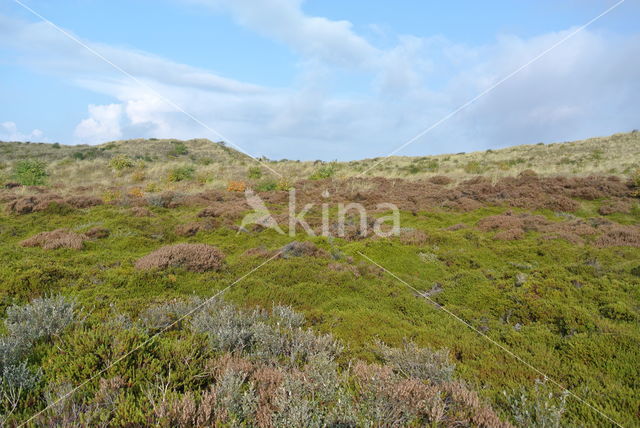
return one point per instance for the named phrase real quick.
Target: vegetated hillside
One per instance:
(99, 253)
(213, 164)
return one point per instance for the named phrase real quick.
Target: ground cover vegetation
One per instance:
(107, 248)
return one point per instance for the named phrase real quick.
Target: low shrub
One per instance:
(420, 363)
(475, 167)
(440, 180)
(179, 149)
(43, 318)
(97, 233)
(266, 186)
(324, 172)
(162, 316)
(193, 257)
(236, 186)
(140, 212)
(254, 173)
(275, 336)
(181, 173)
(541, 407)
(121, 162)
(190, 229)
(59, 238)
(30, 173)
(301, 249)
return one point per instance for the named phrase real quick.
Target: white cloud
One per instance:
(587, 86)
(9, 132)
(102, 125)
(332, 42)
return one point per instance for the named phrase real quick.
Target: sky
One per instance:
(319, 79)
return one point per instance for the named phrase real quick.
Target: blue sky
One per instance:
(319, 78)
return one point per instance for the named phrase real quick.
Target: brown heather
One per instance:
(140, 212)
(411, 236)
(618, 235)
(60, 238)
(35, 203)
(617, 205)
(190, 229)
(302, 249)
(97, 233)
(193, 257)
(440, 179)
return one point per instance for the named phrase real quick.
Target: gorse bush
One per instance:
(121, 162)
(30, 173)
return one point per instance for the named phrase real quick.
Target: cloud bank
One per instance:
(587, 86)
(9, 132)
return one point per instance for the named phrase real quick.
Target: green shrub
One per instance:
(266, 186)
(325, 171)
(475, 167)
(181, 173)
(30, 173)
(422, 165)
(255, 173)
(179, 149)
(618, 311)
(121, 162)
(55, 146)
